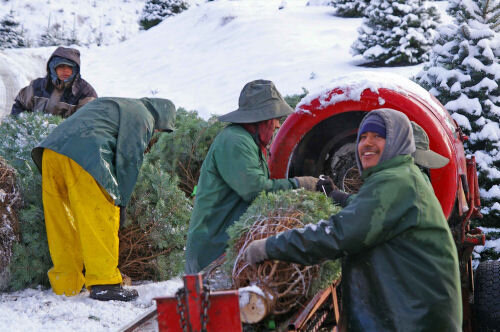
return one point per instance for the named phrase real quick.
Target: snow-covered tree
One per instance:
(155, 11)
(350, 8)
(11, 32)
(464, 74)
(396, 32)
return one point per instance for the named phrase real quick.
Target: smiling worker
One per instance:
(400, 265)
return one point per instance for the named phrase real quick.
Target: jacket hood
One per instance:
(399, 135)
(163, 110)
(71, 54)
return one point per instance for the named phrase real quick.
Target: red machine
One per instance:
(319, 139)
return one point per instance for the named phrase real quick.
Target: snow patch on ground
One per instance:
(42, 310)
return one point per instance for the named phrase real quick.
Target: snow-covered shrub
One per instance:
(396, 32)
(11, 32)
(155, 11)
(464, 74)
(350, 8)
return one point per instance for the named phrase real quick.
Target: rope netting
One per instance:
(286, 284)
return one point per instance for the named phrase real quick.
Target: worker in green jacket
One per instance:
(89, 165)
(235, 171)
(399, 262)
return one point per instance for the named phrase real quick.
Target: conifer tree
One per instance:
(464, 74)
(155, 11)
(350, 8)
(11, 32)
(396, 32)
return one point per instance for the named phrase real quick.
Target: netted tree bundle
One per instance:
(152, 241)
(287, 285)
(10, 202)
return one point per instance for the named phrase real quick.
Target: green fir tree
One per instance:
(31, 260)
(350, 8)
(464, 74)
(181, 153)
(155, 11)
(312, 207)
(396, 32)
(11, 32)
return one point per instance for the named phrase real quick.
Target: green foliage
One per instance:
(11, 33)
(489, 254)
(162, 211)
(396, 32)
(181, 153)
(31, 260)
(330, 271)
(350, 8)
(462, 75)
(155, 11)
(314, 206)
(293, 100)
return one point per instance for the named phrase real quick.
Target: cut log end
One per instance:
(254, 306)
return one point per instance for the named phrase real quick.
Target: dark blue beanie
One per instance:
(373, 123)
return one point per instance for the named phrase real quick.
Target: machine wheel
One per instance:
(343, 168)
(487, 296)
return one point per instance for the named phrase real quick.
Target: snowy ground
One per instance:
(42, 310)
(199, 59)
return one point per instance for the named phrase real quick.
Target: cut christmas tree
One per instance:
(279, 286)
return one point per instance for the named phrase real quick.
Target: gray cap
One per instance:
(259, 101)
(423, 155)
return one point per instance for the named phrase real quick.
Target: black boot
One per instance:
(112, 292)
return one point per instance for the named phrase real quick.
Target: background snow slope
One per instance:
(201, 58)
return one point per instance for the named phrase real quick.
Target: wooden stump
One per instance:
(255, 304)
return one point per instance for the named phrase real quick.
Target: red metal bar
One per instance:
(223, 309)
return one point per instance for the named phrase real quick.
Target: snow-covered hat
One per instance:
(259, 101)
(423, 155)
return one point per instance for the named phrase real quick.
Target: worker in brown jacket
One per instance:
(61, 92)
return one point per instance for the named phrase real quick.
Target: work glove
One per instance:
(325, 185)
(306, 182)
(339, 197)
(255, 252)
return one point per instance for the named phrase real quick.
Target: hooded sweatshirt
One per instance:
(47, 95)
(399, 262)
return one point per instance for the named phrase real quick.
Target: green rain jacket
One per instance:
(107, 137)
(399, 262)
(233, 173)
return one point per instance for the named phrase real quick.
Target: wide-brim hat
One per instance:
(259, 101)
(423, 155)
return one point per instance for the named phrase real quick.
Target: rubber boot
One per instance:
(112, 293)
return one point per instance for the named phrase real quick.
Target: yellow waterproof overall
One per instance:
(82, 226)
